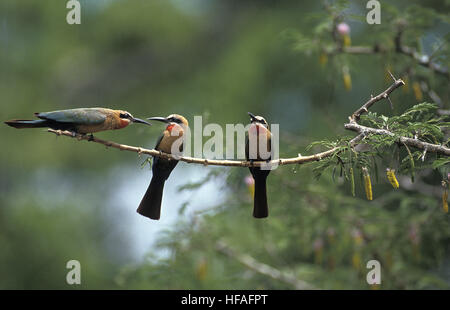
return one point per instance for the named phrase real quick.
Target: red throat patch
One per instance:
(170, 127)
(124, 123)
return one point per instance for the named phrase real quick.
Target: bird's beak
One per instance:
(141, 121)
(252, 116)
(159, 119)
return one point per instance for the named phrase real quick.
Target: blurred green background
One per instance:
(62, 199)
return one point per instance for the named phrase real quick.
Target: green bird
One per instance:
(82, 121)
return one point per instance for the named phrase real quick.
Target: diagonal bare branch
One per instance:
(384, 95)
(264, 269)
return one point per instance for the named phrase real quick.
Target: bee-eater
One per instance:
(82, 121)
(258, 130)
(150, 205)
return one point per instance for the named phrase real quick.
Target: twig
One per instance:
(416, 143)
(384, 95)
(421, 59)
(264, 269)
(443, 112)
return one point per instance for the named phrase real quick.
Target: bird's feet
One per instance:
(91, 137)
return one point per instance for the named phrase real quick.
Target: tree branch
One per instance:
(263, 269)
(384, 95)
(192, 160)
(433, 148)
(421, 59)
(362, 130)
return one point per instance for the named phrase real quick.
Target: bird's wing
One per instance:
(158, 142)
(75, 116)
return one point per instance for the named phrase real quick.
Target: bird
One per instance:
(257, 128)
(150, 205)
(79, 121)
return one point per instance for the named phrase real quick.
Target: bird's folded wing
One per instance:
(75, 116)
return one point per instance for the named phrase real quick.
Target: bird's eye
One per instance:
(125, 115)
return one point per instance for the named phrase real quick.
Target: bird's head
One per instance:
(172, 120)
(258, 120)
(126, 118)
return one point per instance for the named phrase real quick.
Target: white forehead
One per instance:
(261, 119)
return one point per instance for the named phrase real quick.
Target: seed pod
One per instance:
(387, 76)
(343, 29)
(367, 184)
(444, 200)
(352, 180)
(323, 59)
(405, 88)
(347, 40)
(356, 261)
(347, 78)
(390, 173)
(201, 269)
(417, 91)
(250, 182)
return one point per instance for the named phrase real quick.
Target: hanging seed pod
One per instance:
(201, 270)
(387, 76)
(250, 182)
(356, 261)
(405, 88)
(323, 59)
(347, 40)
(390, 173)
(343, 29)
(417, 91)
(347, 78)
(445, 198)
(367, 184)
(352, 180)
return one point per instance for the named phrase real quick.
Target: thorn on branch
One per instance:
(390, 102)
(424, 154)
(392, 76)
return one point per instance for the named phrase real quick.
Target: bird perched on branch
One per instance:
(257, 150)
(82, 121)
(170, 142)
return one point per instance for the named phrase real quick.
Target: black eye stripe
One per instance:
(175, 120)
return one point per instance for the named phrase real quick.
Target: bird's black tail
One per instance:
(150, 205)
(23, 123)
(260, 207)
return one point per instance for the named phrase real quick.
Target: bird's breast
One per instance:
(258, 129)
(172, 133)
